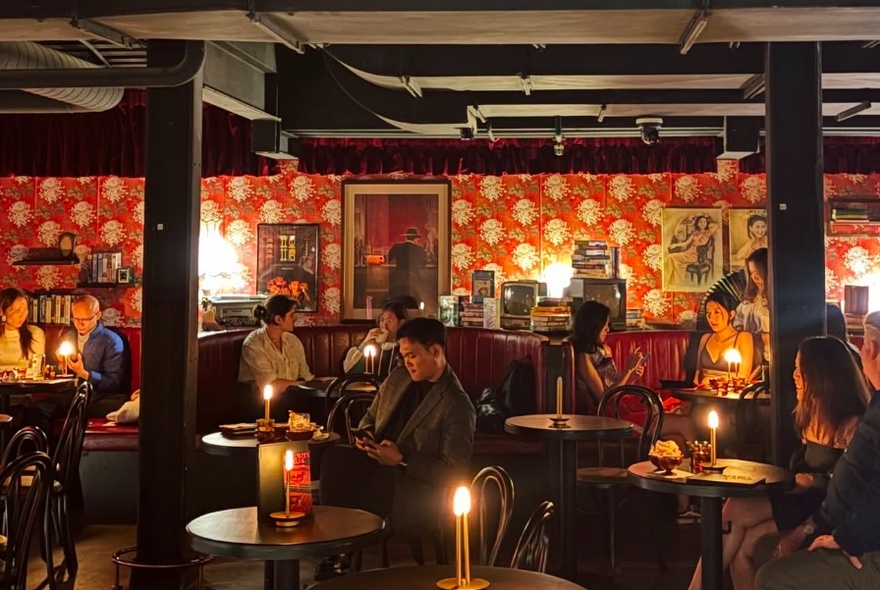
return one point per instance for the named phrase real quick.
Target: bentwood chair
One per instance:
(26, 440)
(750, 434)
(496, 475)
(610, 476)
(350, 383)
(28, 481)
(534, 542)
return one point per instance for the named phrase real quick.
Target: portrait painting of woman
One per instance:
(748, 232)
(692, 249)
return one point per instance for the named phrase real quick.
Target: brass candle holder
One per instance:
(461, 506)
(287, 518)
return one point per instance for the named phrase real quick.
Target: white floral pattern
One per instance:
(462, 256)
(655, 302)
(48, 233)
(652, 211)
(137, 256)
(621, 187)
(82, 213)
(330, 300)
(492, 231)
(16, 253)
(491, 188)
(111, 317)
(239, 233)
(210, 212)
(47, 277)
(462, 212)
(112, 232)
(82, 252)
(832, 283)
(113, 189)
(626, 272)
(556, 231)
(753, 189)
(50, 190)
(136, 299)
(331, 212)
(333, 256)
(556, 187)
(525, 256)
(239, 188)
(271, 212)
(686, 188)
(302, 188)
(727, 169)
(652, 256)
(858, 260)
(621, 231)
(525, 212)
(589, 211)
(20, 213)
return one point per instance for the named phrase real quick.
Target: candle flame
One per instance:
(461, 502)
(66, 349)
(267, 392)
(713, 419)
(422, 306)
(370, 351)
(288, 460)
(732, 355)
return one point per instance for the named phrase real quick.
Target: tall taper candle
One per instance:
(559, 397)
(460, 505)
(267, 398)
(288, 470)
(713, 425)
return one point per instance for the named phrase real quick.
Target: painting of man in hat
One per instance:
(408, 258)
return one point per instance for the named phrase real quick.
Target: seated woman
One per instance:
(20, 341)
(720, 314)
(831, 398)
(836, 326)
(384, 341)
(753, 313)
(272, 355)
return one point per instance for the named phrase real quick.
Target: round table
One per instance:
(245, 446)
(318, 387)
(709, 396)
(776, 479)
(237, 533)
(563, 459)
(425, 577)
(9, 388)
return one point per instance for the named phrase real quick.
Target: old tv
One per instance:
(610, 292)
(517, 298)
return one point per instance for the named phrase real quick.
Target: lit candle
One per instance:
(64, 351)
(267, 398)
(422, 306)
(461, 505)
(370, 358)
(734, 359)
(559, 397)
(713, 425)
(288, 470)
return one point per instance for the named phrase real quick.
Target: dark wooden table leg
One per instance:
(268, 575)
(710, 544)
(4, 409)
(567, 510)
(286, 575)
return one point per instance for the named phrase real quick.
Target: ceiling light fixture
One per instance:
(693, 30)
(539, 46)
(754, 87)
(411, 86)
(526, 83)
(475, 109)
(601, 116)
(557, 131)
(870, 44)
(853, 111)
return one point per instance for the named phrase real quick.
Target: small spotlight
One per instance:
(558, 149)
(466, 133)
(526, 83)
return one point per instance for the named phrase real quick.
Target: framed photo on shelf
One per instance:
(748, 232)
(123, 275)
(287, 262)
(396, 244)
(692, 244)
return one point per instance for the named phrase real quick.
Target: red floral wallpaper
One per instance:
(510, 224)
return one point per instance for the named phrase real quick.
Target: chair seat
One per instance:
(5, 418)
(27, 479)
(602, 476)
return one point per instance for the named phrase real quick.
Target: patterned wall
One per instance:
(510, 224)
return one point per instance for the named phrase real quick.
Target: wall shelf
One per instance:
(108, 285)
(853, 216)
(46, 262)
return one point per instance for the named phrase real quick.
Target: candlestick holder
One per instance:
(286, 520)
(453, 584)
(560, 421)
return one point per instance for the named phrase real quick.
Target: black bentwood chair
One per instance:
(496, 475)
(534, 542)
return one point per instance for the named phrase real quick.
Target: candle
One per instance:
(267, 398)
(461, 505)
(288, 469)
(370, 358)
(422, 306)
(64, 351)
(559, 397)
(734, 359)
(713, 425)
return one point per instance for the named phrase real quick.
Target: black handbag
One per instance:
(490, 413)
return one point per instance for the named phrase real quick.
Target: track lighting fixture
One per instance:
(601, 116)
(526, 83)
(693, 30)
(853, 111)
(411, 86)
(754, 87)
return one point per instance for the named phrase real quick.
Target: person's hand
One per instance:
(372, 335)
(385, 452)
(802, 483)
(789, 542)
(75, 364)
(828, 542)
(635, 358)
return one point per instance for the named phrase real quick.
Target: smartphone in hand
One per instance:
(364, 433)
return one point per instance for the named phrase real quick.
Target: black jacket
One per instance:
(851, 510)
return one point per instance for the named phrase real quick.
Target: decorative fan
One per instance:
(733, 283)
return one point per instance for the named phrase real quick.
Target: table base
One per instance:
(563, 465)
(281, 575)
(711, 543)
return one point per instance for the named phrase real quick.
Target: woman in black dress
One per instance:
(831, 398)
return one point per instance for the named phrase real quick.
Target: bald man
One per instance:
(101, 358)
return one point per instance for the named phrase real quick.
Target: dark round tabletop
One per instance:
(710, 396)
(776, 479)
(217, 444)
(318, 386)
(56, 385)
(425, 577)
(580, 427)
(237, 533)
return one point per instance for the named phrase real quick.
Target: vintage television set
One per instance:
(517, 298)
(611, 292)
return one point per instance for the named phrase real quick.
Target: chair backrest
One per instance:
(69, 450)
(492, 475)
(27, 483)
(625, 399)
(347, 413)
(25, 441)
(534, 542)
(748, 423)
(338, 387)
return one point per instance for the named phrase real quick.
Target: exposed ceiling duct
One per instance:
(24, 55)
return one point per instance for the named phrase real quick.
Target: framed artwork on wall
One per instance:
(692, 247)
(287, 262)
(748, 232)
(396, 244)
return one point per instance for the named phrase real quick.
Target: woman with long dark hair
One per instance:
(831, 398)
(753, 312)
(20, 341)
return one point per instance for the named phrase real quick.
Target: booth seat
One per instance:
(667, 349)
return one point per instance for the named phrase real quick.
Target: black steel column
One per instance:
(171, 229)
(796, 215)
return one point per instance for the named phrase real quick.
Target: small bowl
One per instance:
(667, 463)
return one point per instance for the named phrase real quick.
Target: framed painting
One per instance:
(692, 248)
(287, 259)
(748, 232)
(396, 245)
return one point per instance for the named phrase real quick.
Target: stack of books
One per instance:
(634, 318)
(472, 315)
(593, 259)
(449, 313)
(550, 315)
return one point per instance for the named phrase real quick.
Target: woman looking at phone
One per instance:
(383, 339)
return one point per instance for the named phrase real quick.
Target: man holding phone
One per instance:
(414, 443)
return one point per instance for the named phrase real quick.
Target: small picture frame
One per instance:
(123, 275)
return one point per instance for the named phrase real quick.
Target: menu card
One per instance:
(730, 476)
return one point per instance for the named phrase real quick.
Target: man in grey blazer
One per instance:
(416, 443)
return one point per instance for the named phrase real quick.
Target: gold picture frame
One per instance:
(396, 244)
(692, 242)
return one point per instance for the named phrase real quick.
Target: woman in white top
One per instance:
(384, 342)
(20, 341)
(272, 355)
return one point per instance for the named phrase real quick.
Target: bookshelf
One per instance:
(853, 216)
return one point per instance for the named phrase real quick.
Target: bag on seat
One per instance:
(518, 388)
(490, 413)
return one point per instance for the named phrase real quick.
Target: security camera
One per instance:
(466, 133)
(558, 149)
(649, 127)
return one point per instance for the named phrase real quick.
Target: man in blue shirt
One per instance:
(844, 534)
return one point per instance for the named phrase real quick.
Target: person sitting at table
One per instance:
(753, 312)
(831, 398)
(835, 325)
(383, 339)
(272, 355)
(20, 341)
(417, 439)
(720, 313)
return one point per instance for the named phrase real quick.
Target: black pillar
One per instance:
(796, 215)
(169, 354)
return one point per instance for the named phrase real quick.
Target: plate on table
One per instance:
(241, 429)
